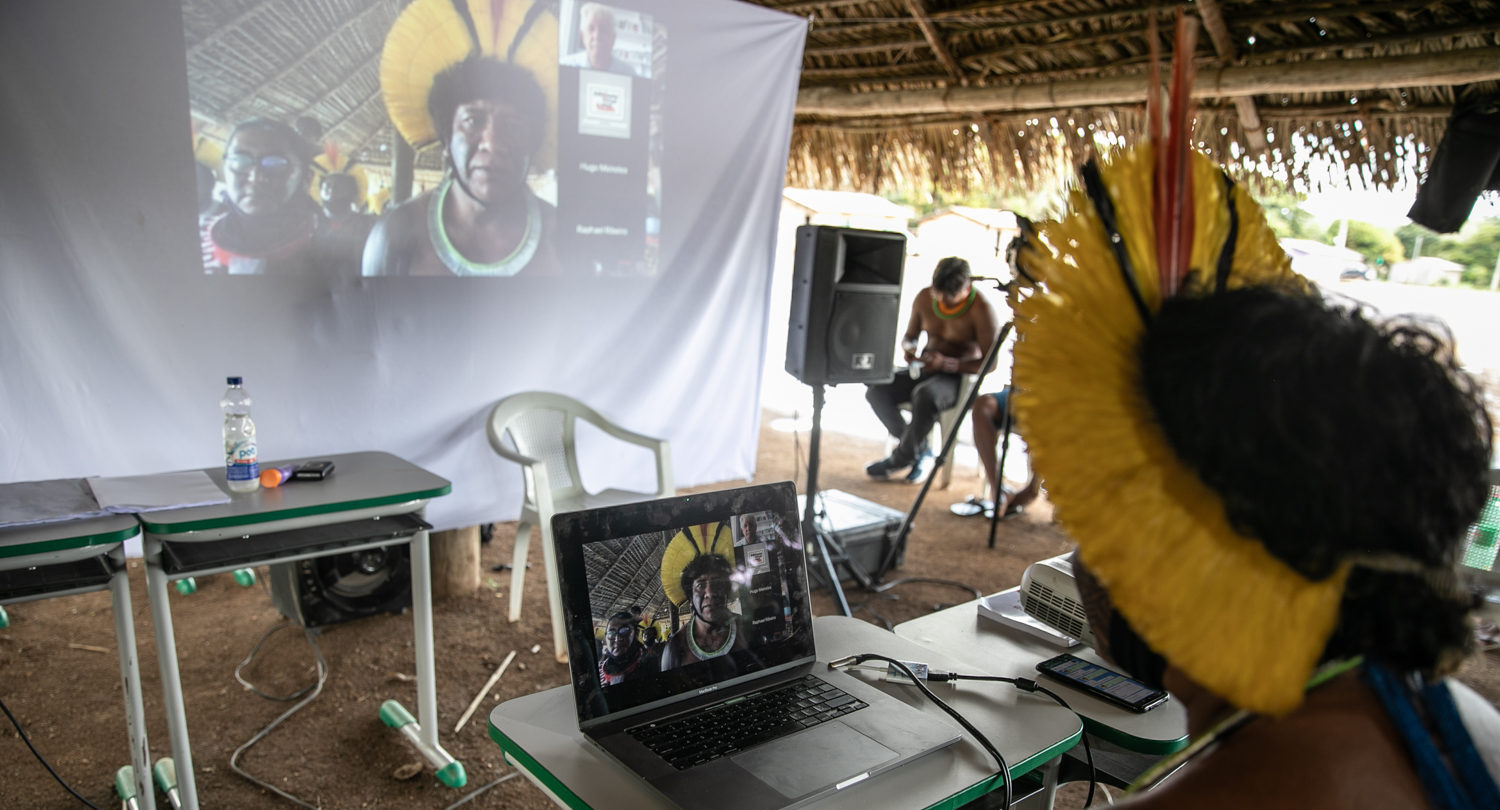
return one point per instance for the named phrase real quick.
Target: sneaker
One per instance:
(921, 467)
(882, 468)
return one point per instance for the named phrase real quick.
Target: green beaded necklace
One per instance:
(937, 308)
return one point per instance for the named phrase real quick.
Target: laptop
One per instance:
(690, 641)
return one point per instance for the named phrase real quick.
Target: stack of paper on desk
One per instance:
(31, 502)
(1005, 608)
(148, 493)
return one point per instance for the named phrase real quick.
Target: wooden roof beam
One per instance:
(935, 41)
(1322, 76)
(1338, 10)
(879, 46)
(1013, 6)
(1218, 32)
(1288, 115)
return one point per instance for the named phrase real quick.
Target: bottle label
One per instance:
(241, 463)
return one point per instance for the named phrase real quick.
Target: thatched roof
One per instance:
(288, 59)
(958, 93)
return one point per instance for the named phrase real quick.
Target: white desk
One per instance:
(80, 556)
(989, 648)
(539, 735)
(297, 521)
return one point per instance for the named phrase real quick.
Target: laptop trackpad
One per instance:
(800, 764)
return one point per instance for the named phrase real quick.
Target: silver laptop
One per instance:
(690, 640)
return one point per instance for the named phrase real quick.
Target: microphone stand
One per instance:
(899, 546)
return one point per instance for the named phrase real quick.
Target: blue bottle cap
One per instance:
(235, 380)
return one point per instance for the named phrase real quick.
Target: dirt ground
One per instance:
(59, 674)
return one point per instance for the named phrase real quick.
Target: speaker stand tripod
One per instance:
(828, 545)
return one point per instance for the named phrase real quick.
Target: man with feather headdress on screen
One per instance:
(699, 571)
(479, 77)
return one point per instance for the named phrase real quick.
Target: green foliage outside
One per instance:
(1378, 245)
(1287, 219)
(1475, 247)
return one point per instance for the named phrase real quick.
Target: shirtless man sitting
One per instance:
(960, 325)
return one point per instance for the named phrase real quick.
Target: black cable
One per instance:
(1028, 685)
(315, 690)
(969, 727)
(474, 794)
(38, 755)
(254, 651)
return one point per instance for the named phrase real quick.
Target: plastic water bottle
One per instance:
(241, 461)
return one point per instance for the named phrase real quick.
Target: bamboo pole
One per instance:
(1322, 76)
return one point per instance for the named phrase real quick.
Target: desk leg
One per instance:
(450, 770)
(1050, 773)
(130, 676)
(171, 683)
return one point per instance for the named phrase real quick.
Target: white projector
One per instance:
(1049, 594)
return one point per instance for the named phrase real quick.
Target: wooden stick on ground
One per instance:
(469, 712)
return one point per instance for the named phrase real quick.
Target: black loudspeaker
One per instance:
(846, 297)
(343, 587)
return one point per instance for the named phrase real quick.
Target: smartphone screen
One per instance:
(1102, 682)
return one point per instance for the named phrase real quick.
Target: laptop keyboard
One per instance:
(739, 724)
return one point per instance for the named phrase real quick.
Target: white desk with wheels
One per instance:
(990, 648)
(370, 500)
(64, 557)
(539, 735)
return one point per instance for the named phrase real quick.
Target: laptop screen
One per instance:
(681, 596)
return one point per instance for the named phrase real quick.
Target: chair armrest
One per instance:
(661, 447)
(649, 442)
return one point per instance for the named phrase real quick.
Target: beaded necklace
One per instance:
(941, 312)
(455, 261)
(723, 649)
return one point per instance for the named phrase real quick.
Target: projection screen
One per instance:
(603, 227)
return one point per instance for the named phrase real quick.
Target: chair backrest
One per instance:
(540, 425)
(1481, 544)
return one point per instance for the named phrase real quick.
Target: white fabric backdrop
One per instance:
(114, 346)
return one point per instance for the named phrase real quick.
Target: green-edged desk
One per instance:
(990, 648)
(539, 735)
(370, 500)
(63, 557)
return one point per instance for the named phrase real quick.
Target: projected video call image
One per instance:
(486, 138)
(710, 597)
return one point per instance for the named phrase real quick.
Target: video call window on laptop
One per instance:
(681, 595)
(727, 709)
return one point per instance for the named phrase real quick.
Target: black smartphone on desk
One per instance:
(313, 471)
(1102, 682)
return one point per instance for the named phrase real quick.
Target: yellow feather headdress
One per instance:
(332, 161)
(1214, 602)
(432, 35)
(686, 546)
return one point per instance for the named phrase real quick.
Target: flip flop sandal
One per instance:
(972, 506)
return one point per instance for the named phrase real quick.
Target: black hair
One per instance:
(481, 77)
(703, 565)
(340, 181)
(622, 616)
(950, 275)
(1328, 434)
(299, 148)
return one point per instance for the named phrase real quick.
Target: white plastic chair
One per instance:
(540, 426)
